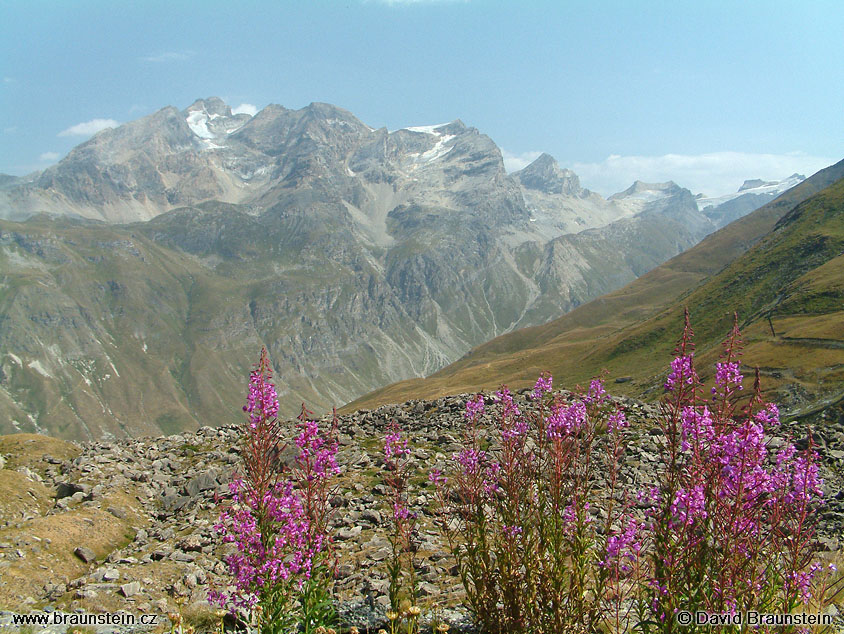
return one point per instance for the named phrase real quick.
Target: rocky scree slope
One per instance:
(357, 256)
(128, 525)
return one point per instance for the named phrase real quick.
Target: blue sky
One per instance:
(705, 93)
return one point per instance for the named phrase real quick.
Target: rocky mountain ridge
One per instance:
(357, 256)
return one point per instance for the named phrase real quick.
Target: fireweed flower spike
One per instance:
(474, 407)
(401, 564)
(731, 527)
(277, 525)
(543, 386)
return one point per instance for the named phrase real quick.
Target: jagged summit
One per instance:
(544, 174)
(642, 189)
(211, 105)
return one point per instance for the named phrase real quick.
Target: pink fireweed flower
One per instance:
(400, 511)
(569, 517)
(470, 459)
(728, 375)
(518, 428)
(688, 505)
(785, 454)
(682, 372)
(596, 394)
(648, 499)
(802, 581)
(504, 397)
(696, 426)
(743, 446)
(474, 407)
(617, 421)
(512, 423)
(542, 387)
(625, 545)
(316, 450)
(254, 566)
(491, 479)
(805, 482)
(395, 445)
(770, 416)
(261, 400)
(511, 531)
(564, 421)
(436, 477)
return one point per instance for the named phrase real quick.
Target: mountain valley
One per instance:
(140, 275)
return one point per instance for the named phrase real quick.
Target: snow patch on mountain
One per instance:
(198, 123)
(440, 149)
(756, 186)
(426, 129)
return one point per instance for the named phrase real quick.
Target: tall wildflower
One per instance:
(278, 525)
(516, 511)
(402, 592)
(316, 464)
(731, 524)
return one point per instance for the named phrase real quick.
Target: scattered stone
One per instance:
(118, 512)
(203, 482)
(111, 575)
(173, 480)
(85, 554)
(67, 489)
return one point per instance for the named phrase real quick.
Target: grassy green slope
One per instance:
(782, 261)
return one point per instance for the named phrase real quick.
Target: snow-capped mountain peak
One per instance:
(755, 187)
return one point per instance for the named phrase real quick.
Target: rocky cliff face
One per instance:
(358, 257)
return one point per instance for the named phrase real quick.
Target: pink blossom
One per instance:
(728, 375)
(617, 421)
(682, 372)
(688, 505)
(475, 407)
(625, 545)
(511, 531)
(769, 416)
(596, 394)
(542, 387)
(436, 477)
(565, 420)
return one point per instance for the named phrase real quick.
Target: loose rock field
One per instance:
(128, 525)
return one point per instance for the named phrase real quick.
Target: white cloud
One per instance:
(713, 174)
(10, 130)
(49, 156)
(168, 56)
(515, 162)
(89, 128)
(246, 108)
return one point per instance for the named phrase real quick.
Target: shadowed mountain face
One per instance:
(175, 246)
(780, 268)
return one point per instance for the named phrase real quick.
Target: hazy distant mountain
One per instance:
(780, 268)
(754, 193)
(357, 256)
